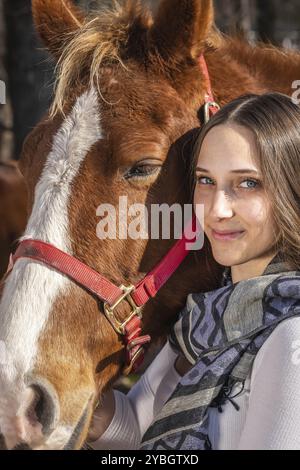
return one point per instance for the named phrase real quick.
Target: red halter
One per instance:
(106, 291)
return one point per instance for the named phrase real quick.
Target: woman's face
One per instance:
(229, 184)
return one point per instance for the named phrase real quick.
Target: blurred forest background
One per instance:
(27, 70)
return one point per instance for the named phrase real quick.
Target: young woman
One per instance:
(229, 376)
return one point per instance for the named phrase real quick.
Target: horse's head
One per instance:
(128, 89)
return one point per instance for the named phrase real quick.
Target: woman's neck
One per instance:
(252, 268)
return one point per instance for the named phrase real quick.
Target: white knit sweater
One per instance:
(269, 414)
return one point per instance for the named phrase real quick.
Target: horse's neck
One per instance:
(269, 67)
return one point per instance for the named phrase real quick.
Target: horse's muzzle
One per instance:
(36, 418)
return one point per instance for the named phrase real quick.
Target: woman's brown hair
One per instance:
(274, 119)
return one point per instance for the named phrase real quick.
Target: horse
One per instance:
(13, 210)
(123, 121)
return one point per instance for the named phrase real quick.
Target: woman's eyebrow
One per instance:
(241, 171)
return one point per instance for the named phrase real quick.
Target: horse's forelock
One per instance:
(105, 40)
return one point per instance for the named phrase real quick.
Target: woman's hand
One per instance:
(102, 417)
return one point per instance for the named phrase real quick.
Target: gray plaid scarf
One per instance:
(219, 333)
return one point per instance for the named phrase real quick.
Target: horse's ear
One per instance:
(182, 27)
(54, 20)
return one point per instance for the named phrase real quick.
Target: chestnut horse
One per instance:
(128, 93)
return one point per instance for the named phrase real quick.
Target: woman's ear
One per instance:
(181, 28)
(54, 21)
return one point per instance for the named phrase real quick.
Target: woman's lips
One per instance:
(227, 236)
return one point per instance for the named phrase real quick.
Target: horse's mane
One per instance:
(100, 41)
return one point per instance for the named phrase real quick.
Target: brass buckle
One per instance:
(207, 107)
(109, 310)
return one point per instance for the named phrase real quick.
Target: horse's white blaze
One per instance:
(32, 288)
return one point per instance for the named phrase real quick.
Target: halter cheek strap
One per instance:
(210, 106)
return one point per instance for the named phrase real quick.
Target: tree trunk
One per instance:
(6, 134)
(266, 17)
(29, 72)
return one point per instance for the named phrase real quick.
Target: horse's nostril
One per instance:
(43, 408)
(40, 405)
(36, 418)
(22, 446)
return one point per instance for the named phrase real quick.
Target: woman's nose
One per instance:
(221, 206)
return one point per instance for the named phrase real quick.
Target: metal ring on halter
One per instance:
(207, 107)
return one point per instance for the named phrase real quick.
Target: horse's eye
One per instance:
(142, 171)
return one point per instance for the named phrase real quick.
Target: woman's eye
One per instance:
(250, 183)
(205, 178)
(253, 183)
